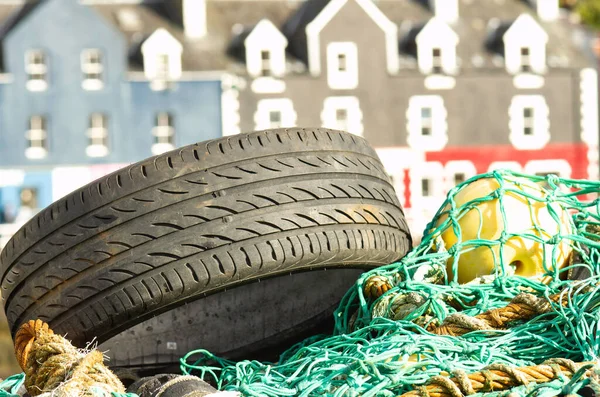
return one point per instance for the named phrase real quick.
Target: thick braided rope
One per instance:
(25, 337)
(51, 362)
(496, 377)
(523, 307)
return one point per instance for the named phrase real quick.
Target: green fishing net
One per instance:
(382, 344)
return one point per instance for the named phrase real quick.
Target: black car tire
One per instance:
(201, 220)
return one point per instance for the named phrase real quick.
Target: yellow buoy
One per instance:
(525, 256)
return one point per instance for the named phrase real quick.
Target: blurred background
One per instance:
(443, 89)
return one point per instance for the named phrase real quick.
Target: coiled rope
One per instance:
(52, 364)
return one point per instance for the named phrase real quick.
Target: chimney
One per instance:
(194, 18)
(547, 10)
(446, 10)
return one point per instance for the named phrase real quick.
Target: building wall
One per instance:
(63, 28)
(194, 105)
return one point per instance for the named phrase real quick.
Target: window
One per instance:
(37, 138)
(342, 113)
(37, 70)
(437, 61)
(164, 133)
(426, 187)
(426, 121)
(342, 65)
(342, 62)
(525, 60)
(275, 118)
(341, 118)
(529, 122)
(92, 68)
(265, 65)
(97, 134)
(427, 124)
(274, 113)
(459, 178)
(162, 67)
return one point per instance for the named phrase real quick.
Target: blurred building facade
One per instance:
(76, 104)
(444, 89)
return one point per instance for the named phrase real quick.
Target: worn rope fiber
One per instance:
(523, 307)
(405, 327)
(52, 364)
(496, 377)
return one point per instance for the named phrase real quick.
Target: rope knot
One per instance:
(52, 363)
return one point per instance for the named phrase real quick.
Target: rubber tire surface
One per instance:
(199, 220)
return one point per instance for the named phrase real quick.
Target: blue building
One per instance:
(83, 85)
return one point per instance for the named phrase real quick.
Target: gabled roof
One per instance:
(436, 29)
(230, 22)
(10, 16)
(295, 27)
(525, 28)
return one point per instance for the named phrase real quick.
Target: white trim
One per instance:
(396, 160)
(528, 81)
(525, 33)
(445, 9)
(160, 148)
(434, 171)
(437, 35)
(347, 78)
(547, 10)
(560, 167)
(194, 18)
(36, 153)
(313, 30)
(264, 108)
(439, 82)
(265, 37)
(438, 137)
(540, 135)
(36, 69)
(161, 45)
(97, 134)
(589, 106)
(267, 85)
(350, 106)
(89, 68)
(11, 177)
(163, 132)
(454, 167)
(506, 165)
(230, 106)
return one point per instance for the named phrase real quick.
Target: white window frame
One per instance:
(161, 46)
(438, 138)
(351, 105)
(434, 171)
(37, 137)
(97, 134)
(163, 133)
(525, 32)
(454, 167)
(525, 59)
(262, 116)
(36, 69)
(265, 37)
(437, 35)
(93, 72)
(541, 123)
(346, 79)
(559, 167)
